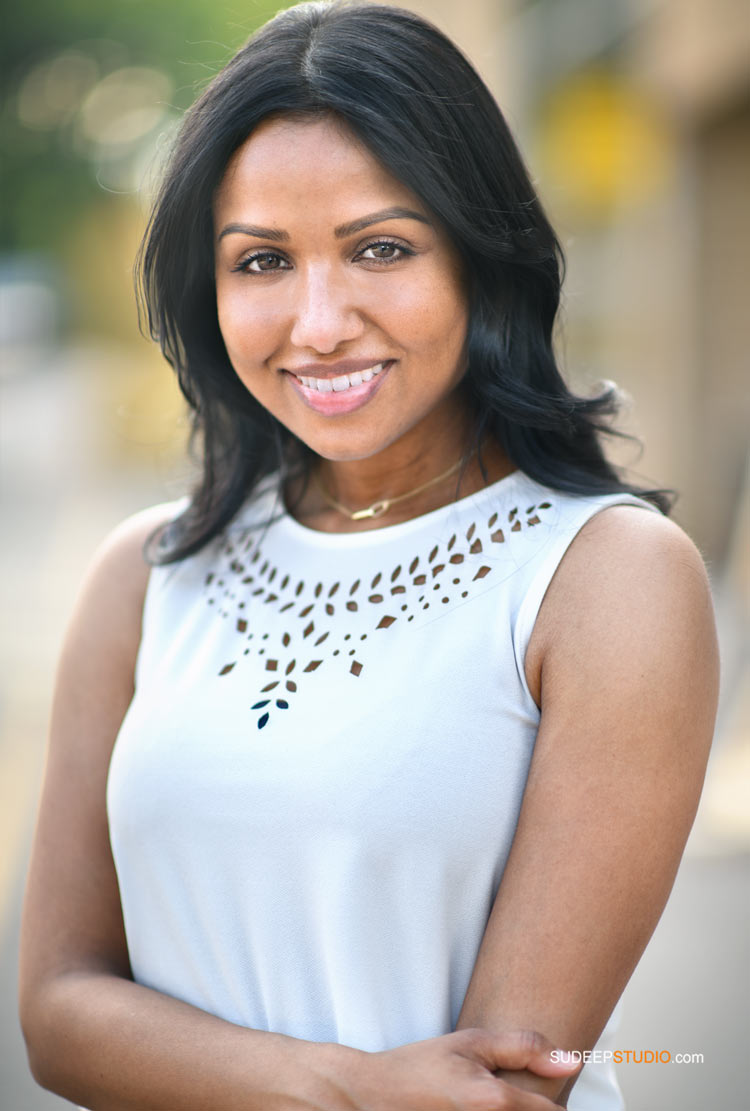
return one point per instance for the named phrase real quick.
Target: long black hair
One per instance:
(410, 95)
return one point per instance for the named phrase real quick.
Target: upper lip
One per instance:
(333, 370)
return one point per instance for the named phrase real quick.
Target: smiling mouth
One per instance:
(342, 382)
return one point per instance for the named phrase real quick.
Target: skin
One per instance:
(622, 663)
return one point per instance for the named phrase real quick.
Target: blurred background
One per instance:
(634, 116)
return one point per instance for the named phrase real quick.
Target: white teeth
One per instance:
(343, 382)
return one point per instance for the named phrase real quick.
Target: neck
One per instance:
(384, 505)
(402, 467)
(414, 458)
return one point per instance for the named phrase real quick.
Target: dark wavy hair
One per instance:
(410, 95)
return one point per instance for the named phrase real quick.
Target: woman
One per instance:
(423, 689)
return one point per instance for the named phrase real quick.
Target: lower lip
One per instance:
(344, 401)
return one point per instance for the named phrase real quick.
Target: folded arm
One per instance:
(623, 664)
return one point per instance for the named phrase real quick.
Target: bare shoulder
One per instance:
(626, 545)
(72, 915)
(632, 585)
(121, 554)
(112, 595)
(96, 670)
(97, 662)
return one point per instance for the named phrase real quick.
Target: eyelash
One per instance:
(244, 265)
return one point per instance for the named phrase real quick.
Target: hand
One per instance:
(454, 1073)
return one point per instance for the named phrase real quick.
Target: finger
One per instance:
(527, 1049)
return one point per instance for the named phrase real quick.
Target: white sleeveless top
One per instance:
(314, 792)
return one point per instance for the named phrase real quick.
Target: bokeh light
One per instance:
(52, 91)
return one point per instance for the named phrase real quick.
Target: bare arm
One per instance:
(623, 662)
(101, 1040)
(93, 1035)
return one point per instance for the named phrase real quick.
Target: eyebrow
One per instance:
(277, 235)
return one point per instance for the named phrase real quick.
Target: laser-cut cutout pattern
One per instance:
(377, 594)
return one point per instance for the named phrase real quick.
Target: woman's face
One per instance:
(340, 300)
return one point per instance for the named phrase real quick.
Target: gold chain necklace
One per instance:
(378, 508)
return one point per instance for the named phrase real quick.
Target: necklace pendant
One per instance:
(377, 509)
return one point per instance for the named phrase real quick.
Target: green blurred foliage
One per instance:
(49, 177)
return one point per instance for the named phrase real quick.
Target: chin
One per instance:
(345, 453)
(346, 445)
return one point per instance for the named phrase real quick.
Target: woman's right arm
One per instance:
(101, 1040)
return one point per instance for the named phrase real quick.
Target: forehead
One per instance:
(297, 165)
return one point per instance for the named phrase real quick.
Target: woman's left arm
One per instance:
(623, 662)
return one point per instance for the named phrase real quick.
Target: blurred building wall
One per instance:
(634, 116)
(693, 58)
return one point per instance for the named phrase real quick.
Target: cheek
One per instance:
(440, 328)
(426, 316)
(247, 327)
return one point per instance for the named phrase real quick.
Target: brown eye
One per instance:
(263, 262)
(384, 251)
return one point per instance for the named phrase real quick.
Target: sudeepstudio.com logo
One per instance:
(625, 1057)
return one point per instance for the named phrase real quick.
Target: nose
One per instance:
(324, 313)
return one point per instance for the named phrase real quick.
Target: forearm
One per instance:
(112, 1045)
